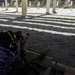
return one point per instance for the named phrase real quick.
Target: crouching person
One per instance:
(10, 63)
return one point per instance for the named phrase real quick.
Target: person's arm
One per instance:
(23, 46)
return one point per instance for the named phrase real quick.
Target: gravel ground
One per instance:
(61, 47)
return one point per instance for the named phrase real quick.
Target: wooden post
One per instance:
(16, 5)
(24, 7)
(6, 4)
(54, 6)
(48, 6)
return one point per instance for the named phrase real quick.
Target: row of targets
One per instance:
(40, 3)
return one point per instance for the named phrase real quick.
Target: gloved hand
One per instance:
(24, 40)
(23, 46)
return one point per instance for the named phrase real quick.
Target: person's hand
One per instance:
(24, 40)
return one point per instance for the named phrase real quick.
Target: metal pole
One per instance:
(48, 6)
(54, 6)
(6, 4)
(24, 7)
(16, 5)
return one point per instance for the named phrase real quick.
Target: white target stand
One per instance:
(16, 5)
(38, 4)
(70, 4)
(30, 3)
(7, 4)
(54, 6)
(2, 4)
(57, 4)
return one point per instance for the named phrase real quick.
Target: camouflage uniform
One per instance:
(7, 58)
(10, 64)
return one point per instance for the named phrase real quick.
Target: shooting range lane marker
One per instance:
(49, 25)
(7, 17)
(39, 30)
(4, 20)
(53, 19)
(59, 16)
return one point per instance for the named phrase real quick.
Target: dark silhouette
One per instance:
(10, 62)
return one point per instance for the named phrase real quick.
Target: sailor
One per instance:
(10, 64)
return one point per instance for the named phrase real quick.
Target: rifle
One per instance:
(35, 63)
